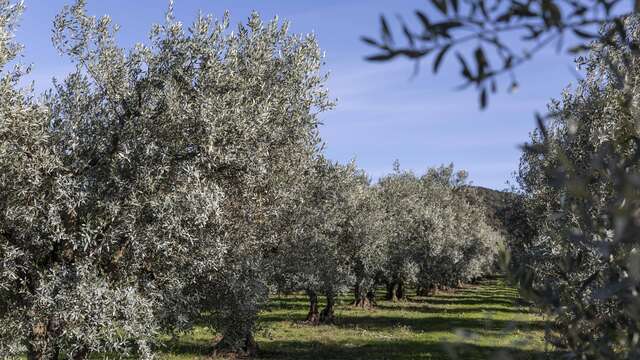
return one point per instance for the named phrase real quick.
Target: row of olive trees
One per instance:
(181, 182)
(426, 232)
(581, 180)
(336, 240)
(438, 235)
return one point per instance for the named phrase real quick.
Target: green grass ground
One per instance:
(483, 321)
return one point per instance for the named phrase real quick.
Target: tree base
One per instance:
(427, 291)
(313, 318)
(363, 303)
(327, 316)
(395, 292)
(224, 348)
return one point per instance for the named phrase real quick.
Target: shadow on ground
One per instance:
(405, 330)
(402, 350)
(391, 349)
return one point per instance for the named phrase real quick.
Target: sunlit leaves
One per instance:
(145, 189)
(423, 249)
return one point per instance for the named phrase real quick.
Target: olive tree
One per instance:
(334, 243)
(145, 188)
(399, 192)
(366, 242)
(72, 281)
(580, 177)
(461, 246)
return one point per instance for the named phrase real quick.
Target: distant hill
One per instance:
(499, 204)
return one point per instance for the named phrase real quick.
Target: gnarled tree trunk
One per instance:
(400, 295)
(327, 315)
(41, 344)
(248, 346)
(363, 297)
(371, 296)
(395, 291)
(390, 290)
(313, 317)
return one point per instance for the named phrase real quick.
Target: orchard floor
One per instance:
(484, 321)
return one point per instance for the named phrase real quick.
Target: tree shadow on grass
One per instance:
(421, 304)
(458, 310)
(381, 349)
(190, 348)
(290, 298)
(286, 306)
(435, 324)
(394, 349)
(382, 316)
(369, 349)
(299, 302)
(378, 322)
(468, 296)
(478, 293)
(470, 301)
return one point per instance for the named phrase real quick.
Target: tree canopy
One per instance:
(580, 177)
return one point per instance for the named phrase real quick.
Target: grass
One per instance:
(484, 321)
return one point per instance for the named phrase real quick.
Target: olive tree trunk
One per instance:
(327, 315)
(313, 317)
(395, 291)
(41, 344)
(390, 290)
(247, 346)
(363, 297)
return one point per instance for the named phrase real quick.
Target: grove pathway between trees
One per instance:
(483, 321)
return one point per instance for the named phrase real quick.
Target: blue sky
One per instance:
(382, 112)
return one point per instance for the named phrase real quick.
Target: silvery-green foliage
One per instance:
(53, 291)
(334, 240)
(581, 179)
(399, 192)
(437, 237)
(331, 233)
(150, 180)
(240, 109)
(463, 246)
(9, 14)
(82, 214)
(366, 243)
(92, 314)
(22, 126)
